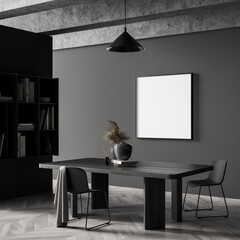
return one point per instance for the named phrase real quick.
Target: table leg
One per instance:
(154, 203)
(74, 204)
(177, 199)
(99, 181)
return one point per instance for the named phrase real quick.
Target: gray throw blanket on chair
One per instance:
(61, 198)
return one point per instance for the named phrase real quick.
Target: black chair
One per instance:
(215, 178)
(77, 183)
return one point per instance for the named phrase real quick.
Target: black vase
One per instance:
(122, 150)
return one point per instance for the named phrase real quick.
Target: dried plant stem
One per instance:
(105, 154)
(113, 135)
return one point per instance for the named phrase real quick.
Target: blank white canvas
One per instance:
(164, 106)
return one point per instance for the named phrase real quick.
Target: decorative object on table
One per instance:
(107, 160)
(125, 42)
(112, 154)
(121, 149)
(164, 106)
(106, 157)
(124, 163)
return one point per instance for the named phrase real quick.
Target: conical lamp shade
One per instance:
(125, 43)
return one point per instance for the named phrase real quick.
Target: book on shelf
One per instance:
(26, 126)
(48, 147)
(46, 124)
(26, 90)
(47, 118)
(31, 91)
(51, 118)
(6, 98)
(124, 163)
(21, 146)
(42, 116)
(20, 92)
(1, 143)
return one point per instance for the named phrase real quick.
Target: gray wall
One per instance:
(96, 85)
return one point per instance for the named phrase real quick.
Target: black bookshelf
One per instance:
(31, 57)
(29, 122)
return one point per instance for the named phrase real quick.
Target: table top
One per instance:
(143, 169)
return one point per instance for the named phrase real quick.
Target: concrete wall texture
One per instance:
(96, 85)
(76, 23)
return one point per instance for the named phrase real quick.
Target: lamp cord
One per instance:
(125, 12)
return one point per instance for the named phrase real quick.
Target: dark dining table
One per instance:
(154, 175)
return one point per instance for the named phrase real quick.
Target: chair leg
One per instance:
(184, 199)
(77, 216)
(107, 204)
(218, 215)
(194, 209)
(103, 224)
(81, 203)
(87, 211)
(225, 202)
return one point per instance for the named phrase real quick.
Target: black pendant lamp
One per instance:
(125, 42)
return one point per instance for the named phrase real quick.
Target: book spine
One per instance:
(51, 118)
(1, 143)
(42, 115)
(53, 127)
(23, 146)
(46, 127)
(31, 92)
(19, 145)
(26, 89)
(48, 147)
(20, 92)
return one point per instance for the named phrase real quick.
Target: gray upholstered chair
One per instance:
(77, 183)
(215, 178)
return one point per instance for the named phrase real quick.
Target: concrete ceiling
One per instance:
(75, 23)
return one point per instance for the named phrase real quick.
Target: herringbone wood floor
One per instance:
(33, 217)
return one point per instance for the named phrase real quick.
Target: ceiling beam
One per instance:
(180, 24)
(15, 8)
(91, 22)
(95, 14)
(144, 18)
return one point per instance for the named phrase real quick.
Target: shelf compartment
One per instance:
(49, 89)
(27, 89)
(28, 113)
(27, 144)
(48, 120)
(15, 112)
(3, 131)
(48, 143)
(11, 137)
(8, 86)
